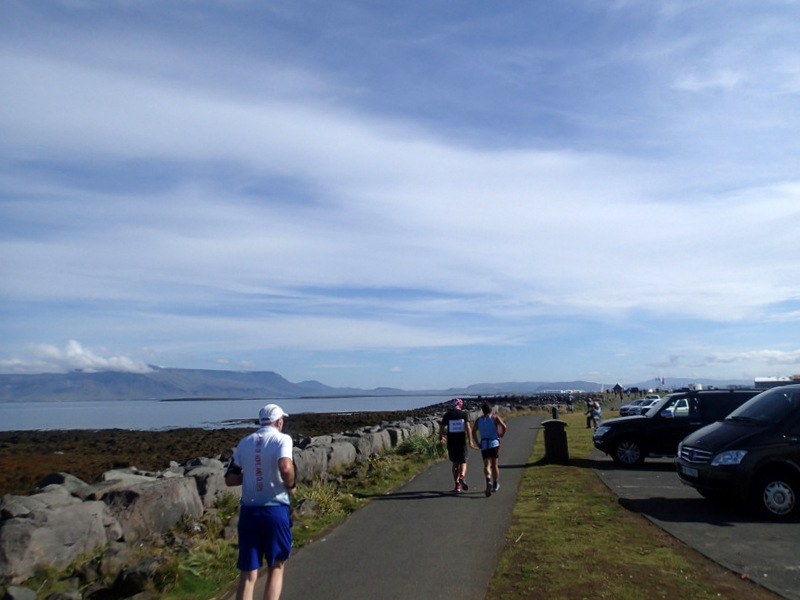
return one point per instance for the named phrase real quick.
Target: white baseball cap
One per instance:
(270, 413)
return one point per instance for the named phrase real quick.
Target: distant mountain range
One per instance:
(177, 384)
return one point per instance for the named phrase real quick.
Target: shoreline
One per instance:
(27, 456)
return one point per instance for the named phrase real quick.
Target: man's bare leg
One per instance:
(247, 584)
(274, 582)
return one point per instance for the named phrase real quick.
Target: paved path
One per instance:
(767, 552)
(420, 541)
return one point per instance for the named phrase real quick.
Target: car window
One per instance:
(675, 407)
(772, 406)
(694, 408)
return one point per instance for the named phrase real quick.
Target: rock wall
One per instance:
(68, 517)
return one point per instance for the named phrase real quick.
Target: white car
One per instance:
(646, 405)
(628, 409)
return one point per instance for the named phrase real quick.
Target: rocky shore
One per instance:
(26, 457)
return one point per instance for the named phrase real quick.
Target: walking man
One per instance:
(459, 433)
(487, 432)
(262, 465)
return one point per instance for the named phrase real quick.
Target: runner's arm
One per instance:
(288, 474)
(500, 425)
(469, 434)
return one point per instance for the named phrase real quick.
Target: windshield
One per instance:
(663, 402)
(772, 406)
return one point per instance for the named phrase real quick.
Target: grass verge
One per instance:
(570, 539)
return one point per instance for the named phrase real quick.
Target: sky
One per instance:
(407, 194)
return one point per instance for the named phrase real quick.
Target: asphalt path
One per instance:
(421, 540)
(768, 553)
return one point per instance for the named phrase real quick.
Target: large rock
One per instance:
(50, 528)
(128, 476)
(372, 443)
(341, 454)
(397, 434)
(153, 507)
(311, 462)
(69, 482)
(209, 475)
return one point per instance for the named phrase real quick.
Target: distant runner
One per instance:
(459, 432)
(490, 427)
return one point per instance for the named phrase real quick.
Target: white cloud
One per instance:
(725, 79)
(764, 357)
(46, 358)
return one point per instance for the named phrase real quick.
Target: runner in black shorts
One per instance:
(459, 433)
(490, 428)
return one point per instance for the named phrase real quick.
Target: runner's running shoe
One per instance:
(488, 491)
(463, 483)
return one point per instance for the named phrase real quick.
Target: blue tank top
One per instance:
(488, 430)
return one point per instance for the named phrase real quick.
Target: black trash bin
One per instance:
(555, 441)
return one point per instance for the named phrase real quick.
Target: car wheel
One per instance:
(628, 453)
(777, 495)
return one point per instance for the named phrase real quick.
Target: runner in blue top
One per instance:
(490, 427)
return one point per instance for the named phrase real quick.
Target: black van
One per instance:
(754, 454)
(629, 440)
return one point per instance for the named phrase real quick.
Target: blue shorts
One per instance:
(265, 532)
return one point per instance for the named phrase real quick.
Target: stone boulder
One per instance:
(51, 528)
(311, 461)
(398, 434)
(372, 442)
(153, 507)
(341, 454)
(209, 475)
(69, 482)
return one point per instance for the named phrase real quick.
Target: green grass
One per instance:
(571, 539)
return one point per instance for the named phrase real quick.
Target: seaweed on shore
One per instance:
(26, 457)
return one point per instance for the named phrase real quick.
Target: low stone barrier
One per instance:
(69, 517)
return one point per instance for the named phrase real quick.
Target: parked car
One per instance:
(629, 440)
(679, 409)
(648, 403)
(628, 409)
(754, 454)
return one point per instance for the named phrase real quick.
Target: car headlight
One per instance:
(729, 457)
(601, 431)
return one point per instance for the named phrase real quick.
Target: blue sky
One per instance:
(410, 194)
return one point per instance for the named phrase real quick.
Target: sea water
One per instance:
(209, 414)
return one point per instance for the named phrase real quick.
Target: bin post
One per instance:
(555, 442)
(555, 411)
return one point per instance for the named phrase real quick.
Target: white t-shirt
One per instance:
(258, 455)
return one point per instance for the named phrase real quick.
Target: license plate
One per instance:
(689, 472)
